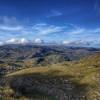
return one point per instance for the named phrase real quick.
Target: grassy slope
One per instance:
(86, 71)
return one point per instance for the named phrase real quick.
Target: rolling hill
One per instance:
(52, 77)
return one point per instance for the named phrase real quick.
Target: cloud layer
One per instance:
(11, 31)
(45, 29)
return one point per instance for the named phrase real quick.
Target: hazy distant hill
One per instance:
(42, 54)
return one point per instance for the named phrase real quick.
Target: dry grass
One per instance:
(86, 71)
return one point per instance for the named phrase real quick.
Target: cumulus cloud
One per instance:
(38, 41)
(17, 41)
(66, 42)
(22, 41)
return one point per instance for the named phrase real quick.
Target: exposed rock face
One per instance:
(57, 87)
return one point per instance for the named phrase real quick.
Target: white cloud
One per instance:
(10, 24)
(38, 40)
(97, 30)
(8, 20)
(13, 40)
(45, 29)
(66, 42)
(16, 41)
(54, 13)
(23, 40)
(1, 43)
(10, 28)
(77, 31)
(97, 7)
(80, 43)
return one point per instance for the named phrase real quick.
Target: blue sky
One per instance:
(50, 20)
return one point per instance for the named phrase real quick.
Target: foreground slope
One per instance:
(64, 81)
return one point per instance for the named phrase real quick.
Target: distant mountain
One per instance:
(44, 54)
